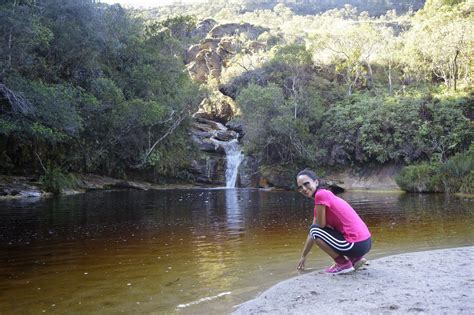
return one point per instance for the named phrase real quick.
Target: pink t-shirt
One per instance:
(341, 216)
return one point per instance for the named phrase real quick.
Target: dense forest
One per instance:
(87, 87)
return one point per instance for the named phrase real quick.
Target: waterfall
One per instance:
(233, 157)
(215, 138)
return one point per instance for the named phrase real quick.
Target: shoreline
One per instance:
(23, 187)
(435, 281)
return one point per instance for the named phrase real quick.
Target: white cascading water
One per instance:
(234, 157)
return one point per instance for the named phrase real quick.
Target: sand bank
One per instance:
(429, 282)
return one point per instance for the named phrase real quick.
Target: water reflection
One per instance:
(235, 220)
(107, 251)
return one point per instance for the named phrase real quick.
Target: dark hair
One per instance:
(308, 173)
(311, 174)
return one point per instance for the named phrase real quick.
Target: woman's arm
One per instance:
(307, 248)
(321, 216)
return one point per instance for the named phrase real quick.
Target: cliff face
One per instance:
(206, 60)
(370, 178)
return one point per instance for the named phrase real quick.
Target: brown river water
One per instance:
(189, 251)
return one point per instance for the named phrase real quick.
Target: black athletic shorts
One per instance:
(336, 240)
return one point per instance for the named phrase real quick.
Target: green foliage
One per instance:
(180, 26)
(456, 172)
(384, 129)
(107, 92)
(101, 89)
(272, 131)
(54, 180)
(419, 178)
(105, 87)
(174, 157)
(454, 175)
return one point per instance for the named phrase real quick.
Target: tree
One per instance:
(441, 42)
(351, 48)
(292, 65)
(23, 34)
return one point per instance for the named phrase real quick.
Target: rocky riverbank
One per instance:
(429, 282)
(15, 187)
(30, 187)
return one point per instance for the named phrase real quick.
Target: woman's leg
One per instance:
(332, 242)
(326, 248)
(357, 252)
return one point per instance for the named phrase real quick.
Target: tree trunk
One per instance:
(293, 83)
(353, 83)
(390, 88)
(455, 70)
(371, 75)
(10, 38)
(9, 59)
(349, 81)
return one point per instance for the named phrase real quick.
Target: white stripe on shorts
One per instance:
(331, 240)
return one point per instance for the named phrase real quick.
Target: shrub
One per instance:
(467, 184)
(454, 175)
(419, 178)
(456, 170)
(55, 180)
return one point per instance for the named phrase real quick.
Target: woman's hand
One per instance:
(301, 263)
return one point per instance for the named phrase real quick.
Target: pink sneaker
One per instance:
(340, 268)
(358, 262)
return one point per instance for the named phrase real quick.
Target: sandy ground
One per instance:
(430, 282)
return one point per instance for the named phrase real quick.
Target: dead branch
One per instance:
(164, 136)
(18, 103)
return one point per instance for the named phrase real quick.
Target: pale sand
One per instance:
(430, 282)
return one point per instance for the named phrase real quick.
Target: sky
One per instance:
(148, 3)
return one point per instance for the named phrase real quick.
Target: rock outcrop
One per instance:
(373, 178)
(20, 187)
(218, 107)
(203, 28)
(206, 59)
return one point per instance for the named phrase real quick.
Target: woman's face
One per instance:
(306, 185)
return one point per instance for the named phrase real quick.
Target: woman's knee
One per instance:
(313, 226)
(312, 230)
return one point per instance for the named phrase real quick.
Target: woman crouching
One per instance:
(337, 229)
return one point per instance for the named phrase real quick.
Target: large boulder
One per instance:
(218, 107)
(210, 170)
(226, 135)
(207, 63)
(192, 53)
(203, 27)
(209, 43)
(207, 123)
(249, 175)
(237, 126)
(227, 47)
